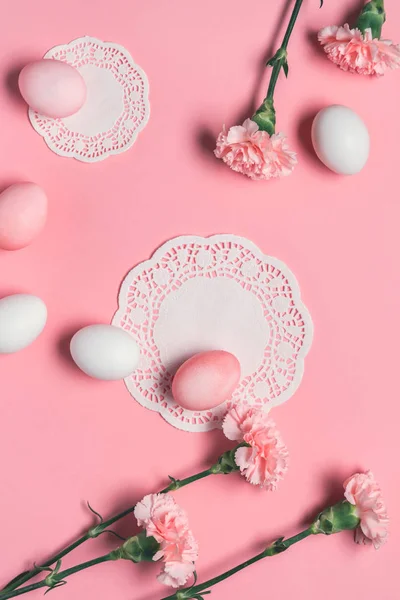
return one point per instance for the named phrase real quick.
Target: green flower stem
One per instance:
(27, 575)
(275, 548)
(60, 577)
(265, 116)
(282, 52)
(95, 531)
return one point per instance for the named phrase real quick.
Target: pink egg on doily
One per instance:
(23, 212)
(220, 292)
(52, 88)
(206, 380)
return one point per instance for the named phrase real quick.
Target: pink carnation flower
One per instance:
(357, 52)
(248, 150)
(265, 461)
(167, 522)
(362, 491)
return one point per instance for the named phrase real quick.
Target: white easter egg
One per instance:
(340, 139)
(105, 352)
(22, 319)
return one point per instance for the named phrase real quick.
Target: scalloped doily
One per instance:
(116, 107)
(217, 293)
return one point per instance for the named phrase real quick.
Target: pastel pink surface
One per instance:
(65, 438)
(206, 380)
(23, 212)
(52, 88)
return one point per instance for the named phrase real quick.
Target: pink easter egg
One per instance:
(52, 88)
(23, 212)
(206, 380)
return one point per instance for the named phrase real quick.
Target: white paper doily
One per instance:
(217, 293)
(116, 107)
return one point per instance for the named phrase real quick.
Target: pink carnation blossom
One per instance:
(253, 152)
(357, 52)
(362, 491)
(265, 461)
(167, 522)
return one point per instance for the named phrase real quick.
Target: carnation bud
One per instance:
(138, 548)
(372, 17)
(340, 517)
(265, 116)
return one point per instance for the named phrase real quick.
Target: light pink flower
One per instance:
(248, 150)
(265, 461)
(167, 522)
(357, 52)
(362, 491)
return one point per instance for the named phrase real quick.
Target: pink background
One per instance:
(66, 439)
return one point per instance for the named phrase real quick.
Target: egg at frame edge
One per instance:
(23, 317)
(52, 88)
(23, 214)
(340, 139)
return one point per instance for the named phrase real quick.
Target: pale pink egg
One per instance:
(23, 212)
(52, 88)
(206, 380)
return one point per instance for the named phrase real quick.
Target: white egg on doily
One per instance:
(219, 293)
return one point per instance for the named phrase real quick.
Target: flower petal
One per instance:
(363, 491)
(248, 150)
(358, 52)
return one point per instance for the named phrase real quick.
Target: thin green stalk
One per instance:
(176, 484)
(27, 575)
(61, 576)
(95, 531)
(265, 115)
(281, 55)
(276, 548)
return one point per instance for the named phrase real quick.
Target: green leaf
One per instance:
(285, 67)
(55, 586)
(98, 515)
(279, 546)
(14, 581)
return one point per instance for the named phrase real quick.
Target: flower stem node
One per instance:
(340, 517)
(280, 58)
(174, 485)
(138, 548)
(95, 531)
(277, 547)
(188, 594)
(53, 580)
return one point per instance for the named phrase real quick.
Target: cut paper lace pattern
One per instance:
(218, 293)
(116, 107)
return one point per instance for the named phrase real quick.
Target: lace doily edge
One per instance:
(189, 239)
(146, 90)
